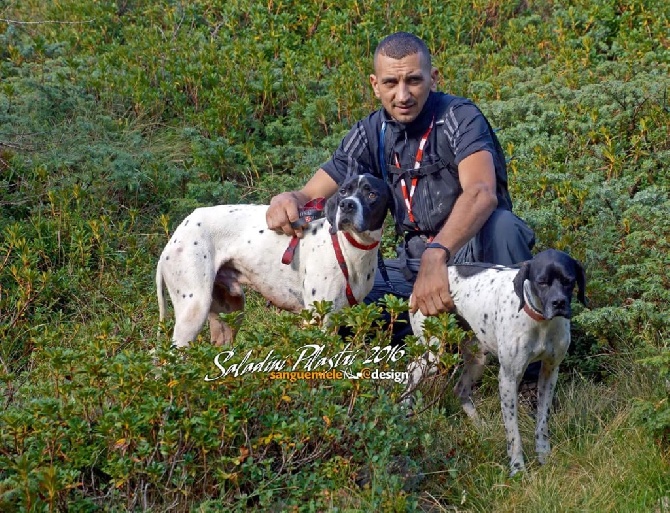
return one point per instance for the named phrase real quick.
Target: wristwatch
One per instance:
(437, 245)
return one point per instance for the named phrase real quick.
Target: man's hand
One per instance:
(283, 211)
(283, 208)
(431, 292)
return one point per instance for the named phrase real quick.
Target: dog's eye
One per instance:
(343, 191)
(372, 195)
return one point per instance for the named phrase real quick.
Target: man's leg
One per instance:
(398, 285)
(504, 239)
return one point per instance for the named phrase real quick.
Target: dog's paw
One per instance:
(516, 469)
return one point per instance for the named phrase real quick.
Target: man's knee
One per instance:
(505, 239)
(395, 282)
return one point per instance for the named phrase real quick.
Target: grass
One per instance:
(600, 461)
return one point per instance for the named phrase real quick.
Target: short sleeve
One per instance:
(352, 157)
(467, 131)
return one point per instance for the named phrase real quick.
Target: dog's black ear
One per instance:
(520, 277)
(581, 283)
(331, 211)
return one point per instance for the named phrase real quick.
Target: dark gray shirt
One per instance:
(460, 130)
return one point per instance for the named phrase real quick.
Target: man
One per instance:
(451, 186)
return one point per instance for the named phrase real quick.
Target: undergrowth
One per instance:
(118, 118)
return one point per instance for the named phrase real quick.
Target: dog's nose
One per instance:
(347, 206)
(559, 304)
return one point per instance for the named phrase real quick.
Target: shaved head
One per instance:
(402, 44)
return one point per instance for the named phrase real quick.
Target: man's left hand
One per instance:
(431, 292)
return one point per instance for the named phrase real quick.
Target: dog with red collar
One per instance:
(216, 251)
(520, 315)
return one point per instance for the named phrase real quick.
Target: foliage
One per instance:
(118, 118)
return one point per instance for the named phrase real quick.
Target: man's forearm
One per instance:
(321, 185)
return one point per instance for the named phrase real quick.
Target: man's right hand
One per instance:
(283, 211)
(283, 208)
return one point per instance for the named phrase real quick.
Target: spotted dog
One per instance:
(217, 250)
(520, 315)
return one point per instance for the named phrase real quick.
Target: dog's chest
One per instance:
(488, 303)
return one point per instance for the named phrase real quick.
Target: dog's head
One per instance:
(552, 276)
(360, 204)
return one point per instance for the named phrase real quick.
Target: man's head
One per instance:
(403, 75)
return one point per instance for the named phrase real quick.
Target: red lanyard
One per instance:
(408, 193)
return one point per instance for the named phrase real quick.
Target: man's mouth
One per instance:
(404, 108)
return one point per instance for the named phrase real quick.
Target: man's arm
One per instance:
(473, 207)
(283, 208)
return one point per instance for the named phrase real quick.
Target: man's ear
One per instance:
(375, 85)
(521, 277)
(434, 72)
(331, 211)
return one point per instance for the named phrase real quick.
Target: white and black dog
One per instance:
(521, 315)
(217, 250)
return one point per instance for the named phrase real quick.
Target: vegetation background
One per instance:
(119, 117)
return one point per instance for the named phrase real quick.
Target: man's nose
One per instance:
(402, 93)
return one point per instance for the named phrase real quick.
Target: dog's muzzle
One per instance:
(349, 215)
(557, 307)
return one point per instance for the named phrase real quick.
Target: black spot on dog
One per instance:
(313, 292)
(486, 316)
(190, 295)
(483, 331)
(248, 242)
(199, 224)
(205, 256)
(184, 296)
(195, 243)
(261, 231)
(368, 277)
(314, 231)
(167, 258)
(186, 222)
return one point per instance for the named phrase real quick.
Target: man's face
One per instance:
(403, 85)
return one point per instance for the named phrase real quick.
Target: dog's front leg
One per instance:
(509, 386)
(546, 384)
